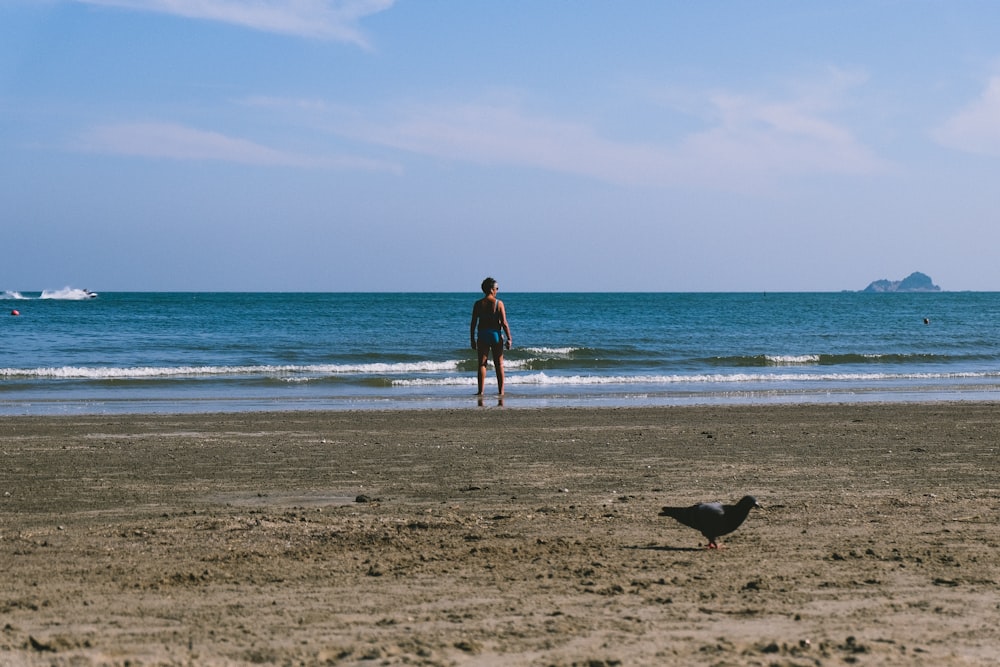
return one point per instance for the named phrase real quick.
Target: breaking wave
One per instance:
(148, 372)
(719, 378)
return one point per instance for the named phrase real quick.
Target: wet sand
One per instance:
(502, 537)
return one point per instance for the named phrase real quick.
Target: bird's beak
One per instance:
(760, 507)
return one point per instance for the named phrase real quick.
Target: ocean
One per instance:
(68, 353)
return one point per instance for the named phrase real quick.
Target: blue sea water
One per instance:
(206, 352)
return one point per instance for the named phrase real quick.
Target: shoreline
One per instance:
(514, 536)
(512, 399)
(519, 402)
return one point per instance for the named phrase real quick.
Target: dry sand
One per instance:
(501, 537)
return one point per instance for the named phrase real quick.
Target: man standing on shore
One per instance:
(489, 318)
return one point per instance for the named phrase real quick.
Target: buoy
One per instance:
(14, 313)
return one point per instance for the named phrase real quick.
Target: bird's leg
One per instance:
(712, 545)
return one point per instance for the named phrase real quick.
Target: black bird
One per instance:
(713, 519)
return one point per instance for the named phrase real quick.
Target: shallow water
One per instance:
(202, 352)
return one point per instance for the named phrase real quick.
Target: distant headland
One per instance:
(915, 282)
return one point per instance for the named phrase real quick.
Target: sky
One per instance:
(421, 145)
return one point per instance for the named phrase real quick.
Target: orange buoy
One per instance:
(14, 313)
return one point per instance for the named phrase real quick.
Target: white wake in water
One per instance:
(64, 294)
(67, 294)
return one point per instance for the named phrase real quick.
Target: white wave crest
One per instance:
(552, 351)
(444, 373)
(375, 369)
(737, 378)
(10, 294)
(140, 372)
(791, 359)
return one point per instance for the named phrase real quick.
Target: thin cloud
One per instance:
(751, 137)
(322, 19)
(477, 133)
(178, 142)
(745, 143)
(976, 128)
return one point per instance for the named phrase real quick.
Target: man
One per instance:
(489, 318)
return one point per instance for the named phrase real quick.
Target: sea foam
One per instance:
(696, 378)
(141, 372)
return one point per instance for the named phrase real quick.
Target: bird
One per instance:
(713, 519)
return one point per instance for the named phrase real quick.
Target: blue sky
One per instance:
(419, 145)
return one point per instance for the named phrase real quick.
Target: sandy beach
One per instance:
(502, 537)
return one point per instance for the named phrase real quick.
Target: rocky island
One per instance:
(915, 282)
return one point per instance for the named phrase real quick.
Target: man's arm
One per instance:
(472, 325)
